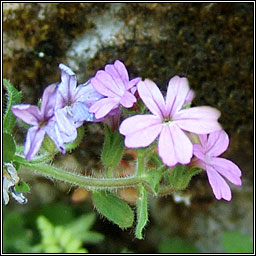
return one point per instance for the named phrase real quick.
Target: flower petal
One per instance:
(122, 71)
(49, 100)
(204, 140)
(87, 94)
(64, 121)
(217, 143)
(80, 112)
(105, 85)
(219, 186)
(133, 82)
(177, 92)
(53, 132)
(34, 139)
(228, 169)
(152, 97)
(128, 100)
(199, 152)
(102, 107)
(111, 70)
(28, 113)
(138, 123)
(143, 138)
(67, 87)
(190, 96)
(174, 146)
(200, 120)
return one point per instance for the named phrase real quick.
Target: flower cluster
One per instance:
(64, 107)
(171, 121)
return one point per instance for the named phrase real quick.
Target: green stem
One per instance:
(42, 158)
(83, 181)
(140, 162)
(92, 183)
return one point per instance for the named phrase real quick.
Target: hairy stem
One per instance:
(82, 181)
(92, 183)
(140, 163)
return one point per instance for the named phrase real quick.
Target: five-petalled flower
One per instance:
(207, 153)
(72, 103)
(42, 121)
(169, 121)
(114, 84)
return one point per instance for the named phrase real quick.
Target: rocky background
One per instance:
(209, 43)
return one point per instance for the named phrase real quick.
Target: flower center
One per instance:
(43, 123)
(167, 120)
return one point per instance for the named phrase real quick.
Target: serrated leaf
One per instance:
(113, 208)
(13, 97)
(82, 224)
(181, 176)
(9, 147)
(80, 229)
(22, 187)
(113, 148)
(91, 237)
(142, 212)
(236, 242)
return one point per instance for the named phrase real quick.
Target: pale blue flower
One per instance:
(73, 102)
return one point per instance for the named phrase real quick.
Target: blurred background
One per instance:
(209, 43)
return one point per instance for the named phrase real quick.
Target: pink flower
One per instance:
(169, 121)
(212, 146)
(114, 84)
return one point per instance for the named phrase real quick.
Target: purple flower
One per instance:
(207, 153)
(73, 102)
(114, 84)
(169, 121)
(42, 122)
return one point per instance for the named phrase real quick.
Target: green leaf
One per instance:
(82, 224)
(236, 242)
(91, 237)
(13, 97)
(154, 177)
(9, 147)
(156, 160)
(113, 148)
(113, 208)
(49, 145)
(181, 176)
(142, 211)
(22, 187)
(57, 238)
(176, 245)
(80, 229)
